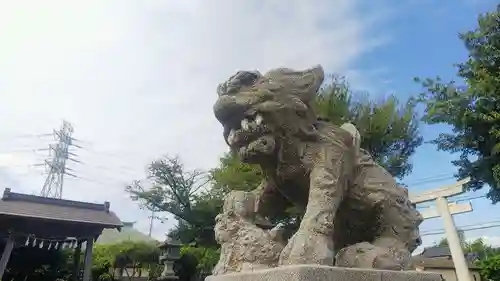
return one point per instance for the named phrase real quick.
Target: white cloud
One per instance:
(137, 78)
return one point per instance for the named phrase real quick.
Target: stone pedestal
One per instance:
(168, 271)
(326, 273)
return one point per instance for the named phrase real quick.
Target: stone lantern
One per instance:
(170, 252)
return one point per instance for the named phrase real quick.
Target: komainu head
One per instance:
(259, 112)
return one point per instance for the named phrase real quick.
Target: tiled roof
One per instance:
(433, 252)
(127, 233)
(441, 262)
(444, 252)
(170, 241)
(32, 206)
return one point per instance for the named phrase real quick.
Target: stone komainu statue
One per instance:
(355, 213)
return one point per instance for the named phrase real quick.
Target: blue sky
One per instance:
(424, 43)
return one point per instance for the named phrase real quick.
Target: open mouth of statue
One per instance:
(250, 135)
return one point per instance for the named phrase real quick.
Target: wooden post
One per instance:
(6, 254)
(87, 269)
(76, 260)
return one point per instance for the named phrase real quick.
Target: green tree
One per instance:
(389, 129)
(171, 188)
(206, 258)
(490, 268)
(477, 246)
(232, 174)
(472, 109)
(135, 255)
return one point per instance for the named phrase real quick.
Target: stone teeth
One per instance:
(245, 125)
(230, 138)
(259, 119)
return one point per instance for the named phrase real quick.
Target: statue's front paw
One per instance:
(308, 247)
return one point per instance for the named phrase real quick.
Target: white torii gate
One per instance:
(445, 211)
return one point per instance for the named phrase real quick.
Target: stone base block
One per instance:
(326, 273)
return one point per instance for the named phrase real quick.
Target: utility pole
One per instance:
(445, 211)
(53, 185)
(151, 223)
(151, 220)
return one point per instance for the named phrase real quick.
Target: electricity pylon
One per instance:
(53, 186)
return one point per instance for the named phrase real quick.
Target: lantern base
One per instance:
(168, 271)
(165, 278)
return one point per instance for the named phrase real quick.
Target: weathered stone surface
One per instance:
(355, 215)
(326, 273)
(244, 246)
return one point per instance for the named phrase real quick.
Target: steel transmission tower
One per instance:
(56, 166)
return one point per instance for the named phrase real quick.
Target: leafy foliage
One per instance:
(174, 190)
(473, 109)
(32, 263)
(488, 256)
(206, 258)
(477, 246)
(135, 255)
(389, 130)
(490, 268)
(232, 174)
(186, 267)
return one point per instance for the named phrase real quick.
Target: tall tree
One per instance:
(490, 268)
(478, 247)
(171, 188)
(472, 109)
(389, 129)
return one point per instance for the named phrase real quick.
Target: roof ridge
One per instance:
(8, 195)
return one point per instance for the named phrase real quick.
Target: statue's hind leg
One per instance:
(388, 251)
(396, 230)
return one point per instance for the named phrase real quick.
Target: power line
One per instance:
(90, 147)
(27, 150)
(24, 136)
(58, 167)
(469, 225)
(118, 168)
(431, 180)
(434, 176)
(458, 199)
(116, 157)
(437, 232)
(20, 149)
